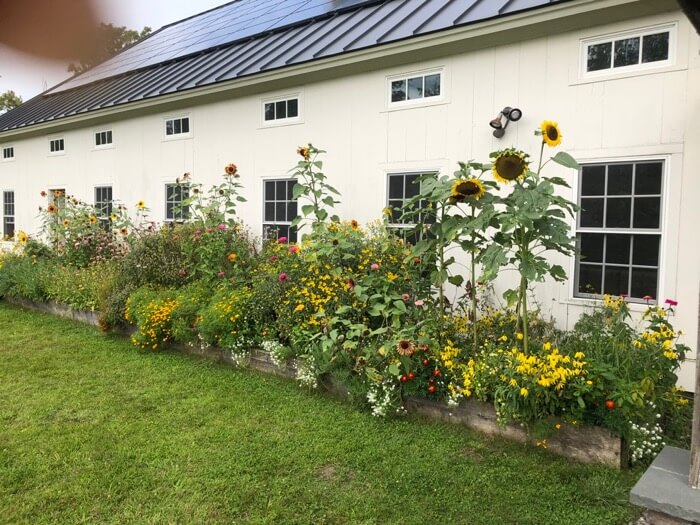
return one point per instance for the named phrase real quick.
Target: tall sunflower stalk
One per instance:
(533, 220)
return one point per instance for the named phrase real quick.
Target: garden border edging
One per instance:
(584, 444)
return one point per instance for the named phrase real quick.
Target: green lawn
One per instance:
(93, 430)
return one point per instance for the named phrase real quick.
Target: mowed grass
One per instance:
(93, 430)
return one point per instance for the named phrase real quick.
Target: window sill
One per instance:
(613, 75)
(407, 106)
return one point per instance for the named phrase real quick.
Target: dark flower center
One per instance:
(468, 188)
(510, 167)
(552, 133)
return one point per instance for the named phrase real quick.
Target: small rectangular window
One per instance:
(281, 110)
(402, 187)
(279, 209)
(175, 195)
(103, 205)
(415, 88)
(103, 138)
(8, 214)
(56, 145)
(619, 229)
(8, 153)
(177, 126)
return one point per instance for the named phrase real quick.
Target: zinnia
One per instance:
(282, 277)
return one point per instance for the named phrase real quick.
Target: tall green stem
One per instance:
(472, 292)
(523, 303)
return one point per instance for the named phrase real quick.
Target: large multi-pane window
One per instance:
(103, 204)
(175, 195)
(402, 187)
(280, 209)
(8, 214)
(619, 229)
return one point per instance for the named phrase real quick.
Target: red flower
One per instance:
(274, 258)
(293, 249)
(671, 302)
(282, 277)
(405, 297)
(282, 239)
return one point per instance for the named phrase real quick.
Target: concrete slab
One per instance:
(664, 487)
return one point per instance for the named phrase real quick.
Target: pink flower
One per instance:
(282, 277)
(405, 297)
(647, 298)
(274, 258)
(374, 266)
(419, 302)
(282, 239)
(293, 249)
(198, 232)
(671, 302)
(220, 274)
(222, 226)
(209, 230)
(182, 273)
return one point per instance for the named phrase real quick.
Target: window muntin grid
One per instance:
(175, 195)
(8, 214)
(279, 209)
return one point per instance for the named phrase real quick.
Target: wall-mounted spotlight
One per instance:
(507, 113)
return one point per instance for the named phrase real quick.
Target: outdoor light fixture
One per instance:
(510, 114)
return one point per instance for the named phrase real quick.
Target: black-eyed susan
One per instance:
(510, 164)
(92, 219)
(467, 188)
(66, 223)
(140, 205)
(230, 169)
(112, 216)
(52, 208)
(551, 134)
(22, 237)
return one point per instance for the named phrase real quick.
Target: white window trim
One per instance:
(2, 153)
(102, 146)
(165, 202)
(176, 136)
(2, 212)
(287, 121)
(672, 29)
(663, 245)
(56, 153)
(273, 178)
(423, 101)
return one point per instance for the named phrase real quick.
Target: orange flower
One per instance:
(405, 347)
(231, 169)
(52, 208)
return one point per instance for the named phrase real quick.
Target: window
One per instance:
(8, 214)
(103, 204)
(8, 153)
(619, 229)
(177, 126)
(402, 188)
(280, 208)
(103, 138)
(56, 145)
(286, 109)
(628, 51)
(175, 195)
(416, 88)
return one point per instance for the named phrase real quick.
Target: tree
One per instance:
(111, 40)
(9, 100)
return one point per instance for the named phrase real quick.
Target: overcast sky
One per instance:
(29, 76)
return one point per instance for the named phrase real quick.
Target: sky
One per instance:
(28, 76)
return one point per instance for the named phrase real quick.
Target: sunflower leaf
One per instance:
(565, 160)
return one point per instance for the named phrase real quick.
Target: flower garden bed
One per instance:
(580, 443)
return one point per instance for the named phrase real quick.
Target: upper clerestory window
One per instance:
(281, 110)
(415, 88)
(177, 126)
(630, 51)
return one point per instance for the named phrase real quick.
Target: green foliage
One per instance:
(84, 288)
(218, 205)
(9, 100)
(19, 277)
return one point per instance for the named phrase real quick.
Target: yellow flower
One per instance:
(66, 222)
(92, 219)
(519, 336)
(354, 224)
(579, 355)
(557, 426)
(230, 169)
(232, 257)
(52, 208)
(304, 151)
(469, 188)
(524, 392)
(510, 164)
(22, 237)
(387, 211)
(547, 346)
(550, 133)
(299, 307)
(140, 205)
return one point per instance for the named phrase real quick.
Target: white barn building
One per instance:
(392, 89)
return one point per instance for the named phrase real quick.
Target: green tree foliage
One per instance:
(9, 100)
(111, 40)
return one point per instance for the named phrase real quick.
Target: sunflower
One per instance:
(92, 219)
(354, 224)
(304, 151)
(140, 205)
(461, 189)
(112, 216)
(52, 208)
(551, 133)
(22, 237)
(66, 223)
(57, 193)
(405, 347)
(231, 169)
(510, 164)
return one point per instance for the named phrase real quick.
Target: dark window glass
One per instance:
(281, 212)
(292, 108)
(281, 190)
(591, 215)
(646, 212)
(644, 282)
(398, 90)
(411, 186)
(646, 250)
(281, 109)
(415, 88)
(647, 179)
(591, 246)
(290, 189)
(590, 279)
(109, 137)
(599, 56)
(175, 194)
(617, 249)
(269, 111)
(396, 187)
(279, 209)
(618, 213)
(168, 127)
(269, 190)
(620, 179)
(655, 47)
(177, 126)
(627, 52)
(291, 210)
(269, 212)
(616, 280)
(593, 180)
(185, 125)
(432, 85)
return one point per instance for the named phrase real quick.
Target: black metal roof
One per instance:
(246, 37)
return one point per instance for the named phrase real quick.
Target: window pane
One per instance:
(168, 127)
(412, 186)
(280, 212)
(647, 179)
(591, 213)
(290, 189)
(616, 280)
(398, 90)
(644, 282)
(281, 109)
(618, 213)
(292, 107)
(432, 85)
(646, 250)
(593, 180)
(269, 111)
(627, 52)
(617, 249)
(590, 279)
(177, 126)
(281, 190)
(269, 190)
(109, 137)
(591, 246)
(646, 212)
(291, 210)
(169, 210)
(620, 179)
(396, 211)
(415, 88)
(396, 186)
(185, 125)
(599, 56)
(655, 47)
(269, 211)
